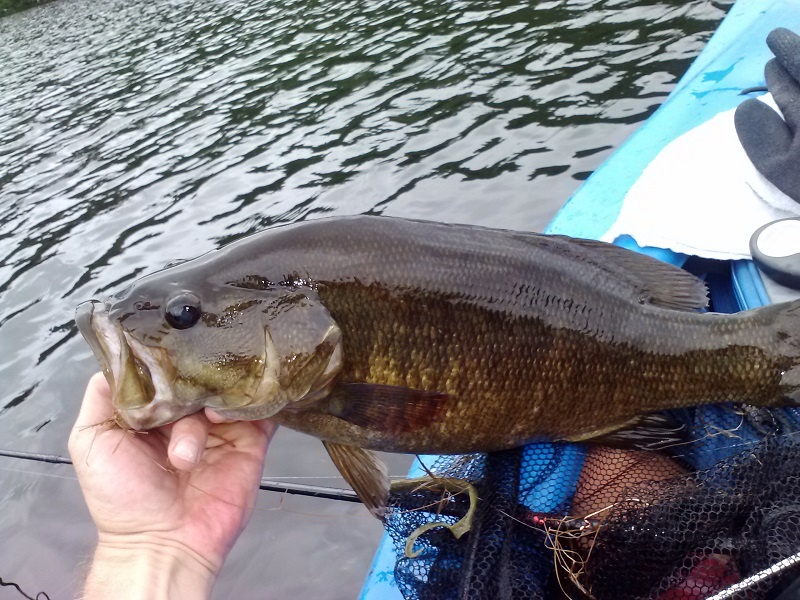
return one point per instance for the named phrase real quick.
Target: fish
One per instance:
(379, 333)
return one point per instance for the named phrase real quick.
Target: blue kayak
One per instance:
(733, 60)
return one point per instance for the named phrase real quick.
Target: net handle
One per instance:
(744, 584)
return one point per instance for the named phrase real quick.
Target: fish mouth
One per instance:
(104, 351)
(140, 390)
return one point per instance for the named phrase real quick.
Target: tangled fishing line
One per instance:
(39, 596)
(718, 517)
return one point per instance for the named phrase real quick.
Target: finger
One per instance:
(785, 45)
(243, 437)
(762, 133)
(258, 436)
(268, 426)
(187, 441)
(785, 91)
(215, 417)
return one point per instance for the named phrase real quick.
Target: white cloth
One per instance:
(701, 195)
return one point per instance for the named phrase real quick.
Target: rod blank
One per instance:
(269, 485)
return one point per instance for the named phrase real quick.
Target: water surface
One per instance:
(135, 132)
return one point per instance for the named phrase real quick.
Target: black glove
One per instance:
(772, 143)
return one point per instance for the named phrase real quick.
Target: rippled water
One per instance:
(133, 132)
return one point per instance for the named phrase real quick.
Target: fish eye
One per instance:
(183, 311)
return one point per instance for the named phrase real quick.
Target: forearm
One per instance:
(147, 569)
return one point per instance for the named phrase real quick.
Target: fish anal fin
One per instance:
(654, 431)
(365, 472)
(386, 408)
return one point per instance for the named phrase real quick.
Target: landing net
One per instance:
(718, 517)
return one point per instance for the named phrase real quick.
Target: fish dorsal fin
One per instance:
(366, 473)
(390, 409)
(656, 282)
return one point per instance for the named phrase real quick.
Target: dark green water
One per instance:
(133, 133)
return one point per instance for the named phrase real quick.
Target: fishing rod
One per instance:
(268, 485)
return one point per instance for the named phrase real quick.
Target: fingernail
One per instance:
(188, 450)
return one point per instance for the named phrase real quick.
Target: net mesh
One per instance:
(716, 516)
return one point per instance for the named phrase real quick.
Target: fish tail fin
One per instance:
(788, 331)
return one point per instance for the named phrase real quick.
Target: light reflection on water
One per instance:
(135, 132)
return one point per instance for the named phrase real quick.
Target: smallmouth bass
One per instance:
(376, 333)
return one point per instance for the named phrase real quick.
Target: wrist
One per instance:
(134, 567)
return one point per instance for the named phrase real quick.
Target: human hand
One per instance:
(180, 494)
(773, 143)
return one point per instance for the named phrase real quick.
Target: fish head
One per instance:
(169, 348)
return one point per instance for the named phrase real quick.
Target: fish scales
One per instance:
(514, 380)
(409, 336)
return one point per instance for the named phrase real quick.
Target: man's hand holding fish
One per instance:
(377, 333)
(165, 522)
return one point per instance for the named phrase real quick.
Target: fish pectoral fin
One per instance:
(654, 431)
(366, 473)
(386, 408)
